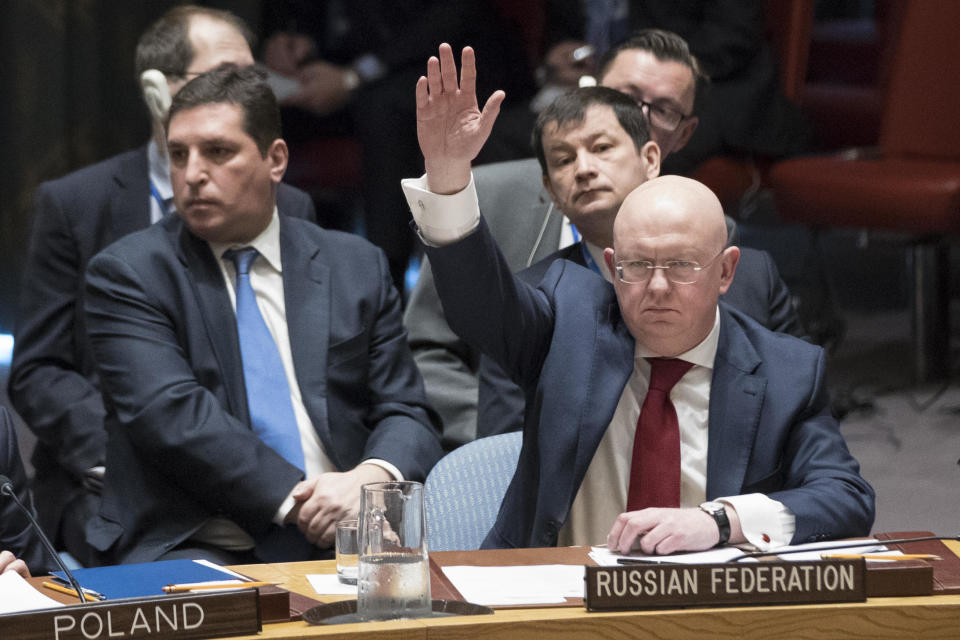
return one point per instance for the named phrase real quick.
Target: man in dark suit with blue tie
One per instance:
(53, 384)
(224, 427)
(657, 417)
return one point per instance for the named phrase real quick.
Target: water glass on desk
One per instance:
(346, 547)
(394, 577)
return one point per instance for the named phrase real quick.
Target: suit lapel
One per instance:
(130, 204)
(736, 397)
(306, 292)
(608, 374)
(219, 319)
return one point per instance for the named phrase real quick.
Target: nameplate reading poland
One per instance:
(646, 586)
(173, 617)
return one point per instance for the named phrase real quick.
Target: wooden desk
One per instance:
(875, 619)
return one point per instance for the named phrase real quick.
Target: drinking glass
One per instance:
(346, 546)
(394, 577)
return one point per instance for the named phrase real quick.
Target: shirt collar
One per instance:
(597, 254)
(702, 354)
(159, 169)
(267, 244)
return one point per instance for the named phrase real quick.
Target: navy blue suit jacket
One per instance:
(180, 447)
(757, 291)
(770, 427)
(53, 383)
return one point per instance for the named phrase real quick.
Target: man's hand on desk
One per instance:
(330, 497)
(9, 562)
(663, 531)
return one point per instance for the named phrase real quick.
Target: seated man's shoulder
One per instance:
(98, 177)
(349, 245)
(773, 347)
(145, 245)
(512, 171)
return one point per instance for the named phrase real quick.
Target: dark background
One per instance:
(69, 99)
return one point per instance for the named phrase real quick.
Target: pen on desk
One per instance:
(640, 561)
(180, 588)
(879, 556)
(69, 591)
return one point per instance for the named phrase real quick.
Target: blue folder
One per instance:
(146, 579)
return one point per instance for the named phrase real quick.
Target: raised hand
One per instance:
(451, 128)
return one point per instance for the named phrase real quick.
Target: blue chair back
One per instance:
(464, 490)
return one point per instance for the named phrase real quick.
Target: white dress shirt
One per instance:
(158, 166)
(443, 219)
(266, 279)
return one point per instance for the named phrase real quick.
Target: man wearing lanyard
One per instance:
(531, 221)
(649, 396)
(52, 382)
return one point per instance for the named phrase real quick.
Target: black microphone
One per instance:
(6, 488)
(843, 545)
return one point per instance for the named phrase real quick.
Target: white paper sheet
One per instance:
(16, 594)
(328, 584)
(532, 584)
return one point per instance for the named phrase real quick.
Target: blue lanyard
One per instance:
(587, 258)
(155, 194)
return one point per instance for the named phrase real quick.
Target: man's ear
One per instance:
(549, 187)
(608, 259)
(688, 126)
(650, 153)
(278, 155)
(728, 266)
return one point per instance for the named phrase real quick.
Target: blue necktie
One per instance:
(268, 395)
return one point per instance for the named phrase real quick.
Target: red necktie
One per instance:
(655, 469)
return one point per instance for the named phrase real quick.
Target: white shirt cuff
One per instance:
(386, 466)
(289, 503)
(442, 219)
(765, 523)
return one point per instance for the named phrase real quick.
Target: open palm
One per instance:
(451, 128)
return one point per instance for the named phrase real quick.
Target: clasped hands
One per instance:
(326, 499)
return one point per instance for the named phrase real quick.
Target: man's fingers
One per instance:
(468, 72)
(490, 112)
(434, 83)
(423, 99)
(448, 69)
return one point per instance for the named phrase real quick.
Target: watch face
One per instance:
(712, 507)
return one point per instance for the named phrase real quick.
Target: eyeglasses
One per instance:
(676, 271)
(663, 117)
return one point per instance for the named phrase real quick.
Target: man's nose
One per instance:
(586, 164)
(195, 171)
(659, 281)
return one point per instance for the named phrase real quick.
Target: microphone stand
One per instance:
(6, 488)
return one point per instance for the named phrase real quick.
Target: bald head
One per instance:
(667, 222)
(671, 205)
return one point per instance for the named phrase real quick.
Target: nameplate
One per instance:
(176, 616)
(647, 586)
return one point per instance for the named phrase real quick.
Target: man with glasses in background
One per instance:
(530, 216)
(651, 406)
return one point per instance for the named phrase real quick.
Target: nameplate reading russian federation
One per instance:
(646, 586)
(172, 617)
